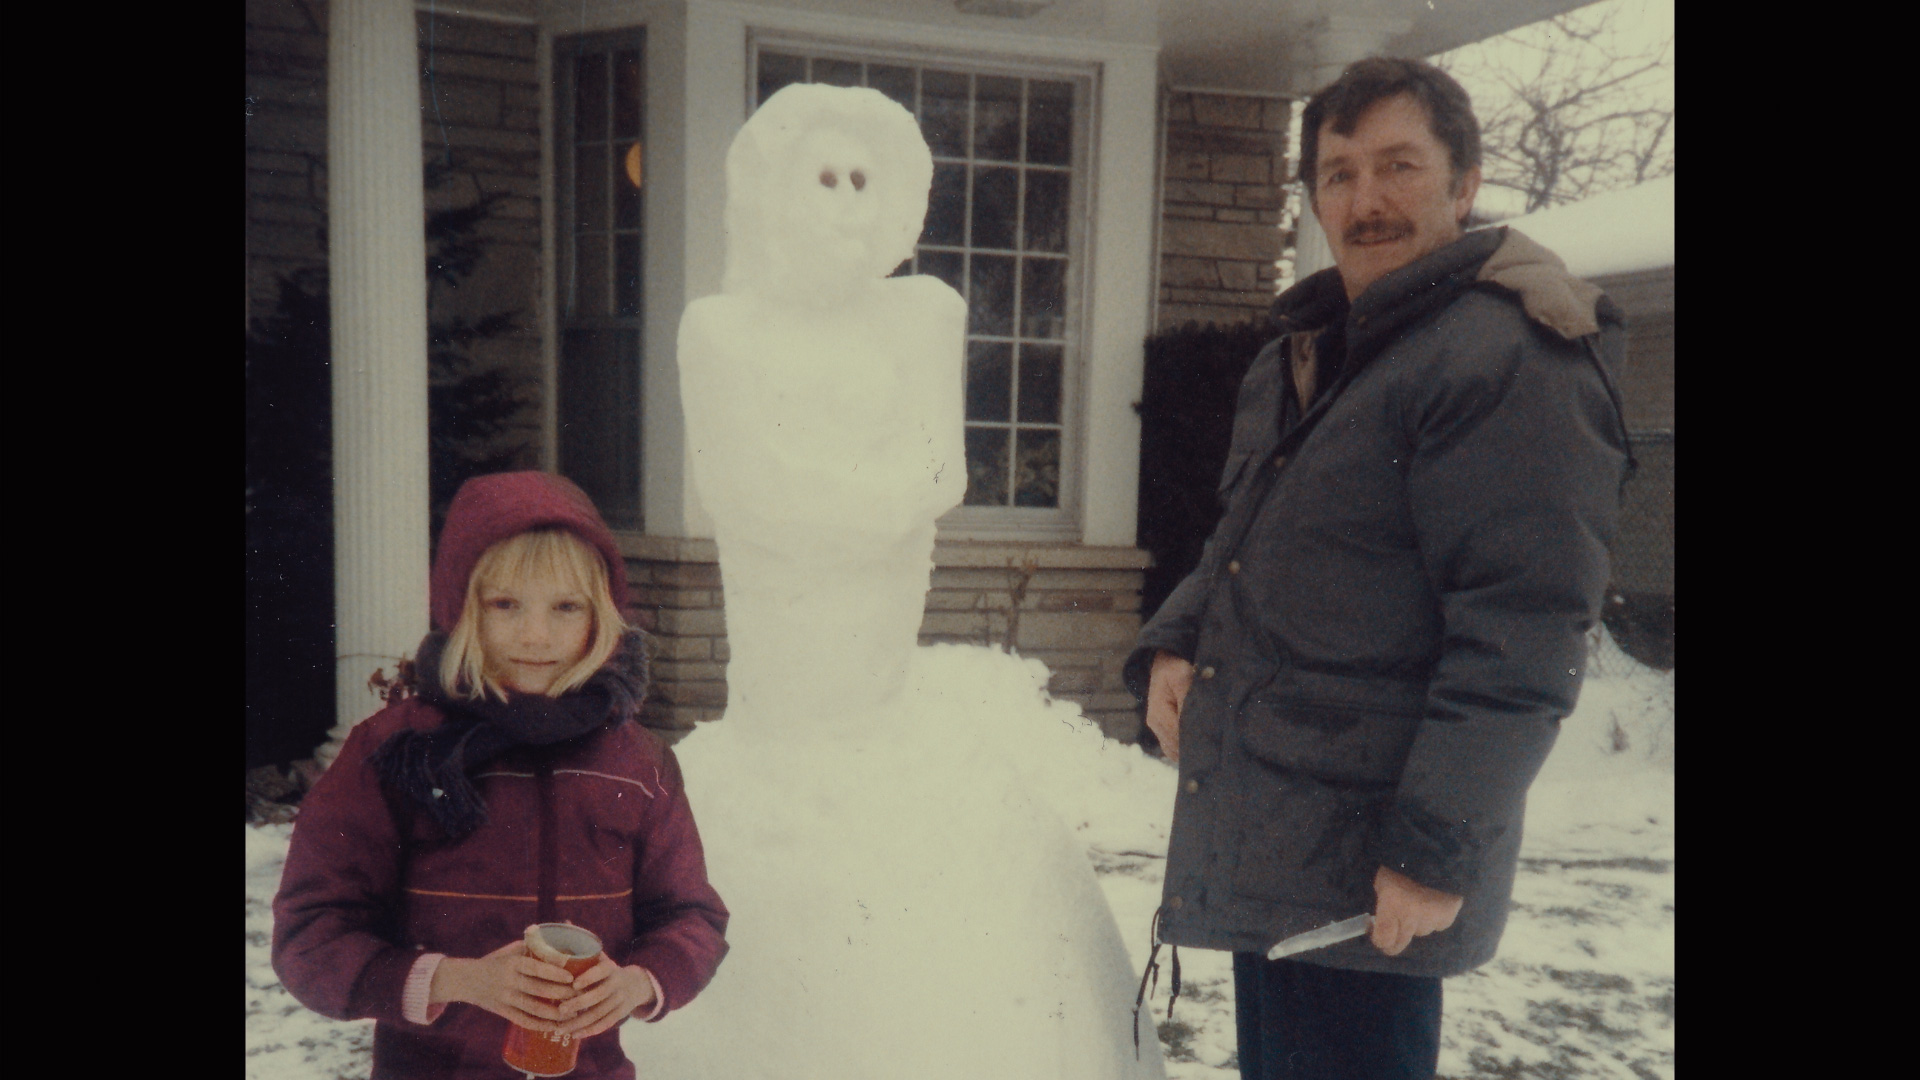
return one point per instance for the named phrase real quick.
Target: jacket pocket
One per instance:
(1302, 842)
(1334, 742)
(1318, 776)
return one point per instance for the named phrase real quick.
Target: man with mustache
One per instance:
(1369, 665)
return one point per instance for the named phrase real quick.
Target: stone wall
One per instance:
(1224, 220)
(1074, 608)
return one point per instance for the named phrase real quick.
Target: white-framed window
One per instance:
(1005, 228)
(599, 113)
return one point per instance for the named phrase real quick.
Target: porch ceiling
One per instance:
(1269, 46)
(1258, 45)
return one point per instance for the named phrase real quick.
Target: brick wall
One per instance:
(1224, 217)
(483, 141)
(1077, 611)
(673, 587)
(1074, 608)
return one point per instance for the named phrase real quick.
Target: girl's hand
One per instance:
(506, 982)
(607, 995)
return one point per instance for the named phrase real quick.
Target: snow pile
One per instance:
(284, 1040)
(1583, 985)
(1614, 759)
(912, 903)
(1614, 233)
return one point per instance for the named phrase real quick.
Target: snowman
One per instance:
(905, 904)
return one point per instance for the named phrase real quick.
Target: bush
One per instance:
(1186, 404)
(477, 423)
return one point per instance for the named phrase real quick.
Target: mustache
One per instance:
(1369, 232)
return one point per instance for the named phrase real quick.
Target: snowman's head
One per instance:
(826, 188)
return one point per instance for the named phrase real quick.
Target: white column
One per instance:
(377, 264)
(1333, 43)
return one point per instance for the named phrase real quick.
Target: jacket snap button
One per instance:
(1193, 786)
(1233, 566)
(1175, 903)
(1279, 460)
(1206, 672)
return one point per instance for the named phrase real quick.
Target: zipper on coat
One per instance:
(546, 855)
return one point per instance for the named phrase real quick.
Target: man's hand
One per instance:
(506, 982)
(607, 995)
(1404, 909)
(1167, 688)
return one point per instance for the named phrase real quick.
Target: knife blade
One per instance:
(1322, 937)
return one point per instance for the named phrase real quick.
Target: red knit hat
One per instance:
(489, 509)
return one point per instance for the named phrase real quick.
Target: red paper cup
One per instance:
(539, 1053)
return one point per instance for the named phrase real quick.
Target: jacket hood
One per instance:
(1551, 295)
(489, 509)
(1501, 257)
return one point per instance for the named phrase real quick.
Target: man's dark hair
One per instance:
(1377, 78)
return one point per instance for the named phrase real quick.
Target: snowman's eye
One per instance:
(859, 180)
(828, 180)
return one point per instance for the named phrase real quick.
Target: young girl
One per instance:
(513, 788)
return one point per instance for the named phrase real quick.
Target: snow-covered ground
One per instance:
(1583, 985)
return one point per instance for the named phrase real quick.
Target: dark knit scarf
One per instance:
(433, 769)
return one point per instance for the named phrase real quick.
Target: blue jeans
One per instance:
(1299, 1021)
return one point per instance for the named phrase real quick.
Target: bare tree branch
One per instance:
(1568, 108)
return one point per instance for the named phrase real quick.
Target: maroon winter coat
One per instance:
(596, 831)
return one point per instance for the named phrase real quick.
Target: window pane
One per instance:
(948, 266)
(996, 119)
(1037, 470)
(989, 380)
(1043, 298)
(626, 194)
(1047, 202)
(599, 407)
(1040, 367)
(990, 295)
(590, 189)
(996, 201)
(895, 82)
(947, 207)
(999, 230)
(1049, 122)
(987, 466)
(626, 273)
(590, 295)
(943, 112)
(778, 70)
(590, 98)
(626, 94)
(836, 72)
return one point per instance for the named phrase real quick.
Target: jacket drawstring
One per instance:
(1153, 971)
(1619, 410)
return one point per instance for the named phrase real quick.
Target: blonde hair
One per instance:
(552, 554)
